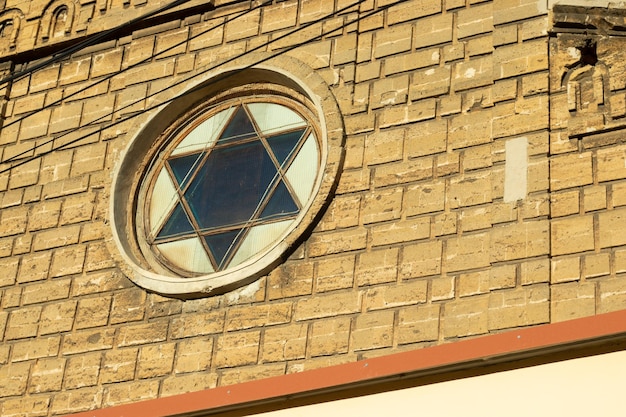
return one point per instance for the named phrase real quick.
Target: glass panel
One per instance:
(203, 136)
(188, 254)
(221, 244)
(303, 171)
(162, 200)
(240, 127)
(177, 224)
(183, 167)
(280, 204)
(230, 185)
(283, 145)
(259, 238)
(272, 117)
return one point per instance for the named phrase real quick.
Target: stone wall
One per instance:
(482, 191)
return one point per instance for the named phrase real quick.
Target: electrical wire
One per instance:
(136, 64)
(184, 80)
(88, 42)
(217, 79)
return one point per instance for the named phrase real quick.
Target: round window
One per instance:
(224, 182)
(227, 184)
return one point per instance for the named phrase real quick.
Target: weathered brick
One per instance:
(467, 252)
(181, 384)
(421, 259)
(574, 234)
(327, 305)
(47, 375)
(521, 240)
(238, 318)
(237, 349)
(118, 365)
(572, 300)
(425, 198)
(373, 330)
(290, 280)
(87, 341)
(418, 324)
(34, 349)
(466, 316)
(519, 307)
(156, 360)
(329, 336)
(23, 323)
(377, 267)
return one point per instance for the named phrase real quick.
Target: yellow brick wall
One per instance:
(417, 247)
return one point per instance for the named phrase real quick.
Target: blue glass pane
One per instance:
(221, 244)
(182, 167)
(177, 224)
(240, 127)
(230, 185)
(283, 145)
(280, 204)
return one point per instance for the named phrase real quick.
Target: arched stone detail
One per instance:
(58, 17)
(14, 18)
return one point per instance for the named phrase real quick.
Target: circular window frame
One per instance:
(300, 84)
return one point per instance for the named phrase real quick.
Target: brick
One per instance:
(13, 221)
(470, 129)
(411, 61)
(44, 215)
(290, 280)
(42, 347)
(421, 259)
(193, 355)
(410, 113)
(572, 300)
(57, 317)
(377, 267)
(565, 203)
(337, 242)
(9, 274)
(142, 333)
(373, 330)
(519, 307)
(425, 198)
(73, 401)
(466, 316)
(239, 318)
(521, 240)
(92, 312)
(118, 365)
(23, 323)
(403, 172)
(476, 72)
(130, 392)
(400, 231)
(418, 324)
(13, 378)
(128, 305)
(394, 40)
(197, 324)
(612, 295)
(570, 235)
(279, 16)
(56, 238)
(257, 372)
(327, 305)
(181, 384)
(594, 198)
(521, 117)
(382, 205)
(535, 271)
(570, 171)
(47, 375)
(65, 117)
(467, 252)
(99, 282)
(284, 343)
(46, 291)
(34, 406)
(343, 212)
(87, 341)
(521, 58)
(82, 371)
(471, 189)
(389, 91)
(329, 337)
(237, 349)
(439, 29)
(427, 138)
(155, 361)
(67, 261)
(610, 226)
(335, 273)
(597, 265)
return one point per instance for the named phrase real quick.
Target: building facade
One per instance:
(198, 194)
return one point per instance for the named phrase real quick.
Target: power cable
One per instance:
(35, 147)
(88, 42)
(217, 79)
(136, 64)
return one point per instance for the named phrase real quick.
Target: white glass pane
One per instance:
(203, 136)
(272, 117)
(162, 200)
(258, 238)
(187, 254)
(302, 172)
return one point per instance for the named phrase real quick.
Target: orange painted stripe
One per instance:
(490, 346)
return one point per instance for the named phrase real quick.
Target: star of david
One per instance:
(235, 185)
